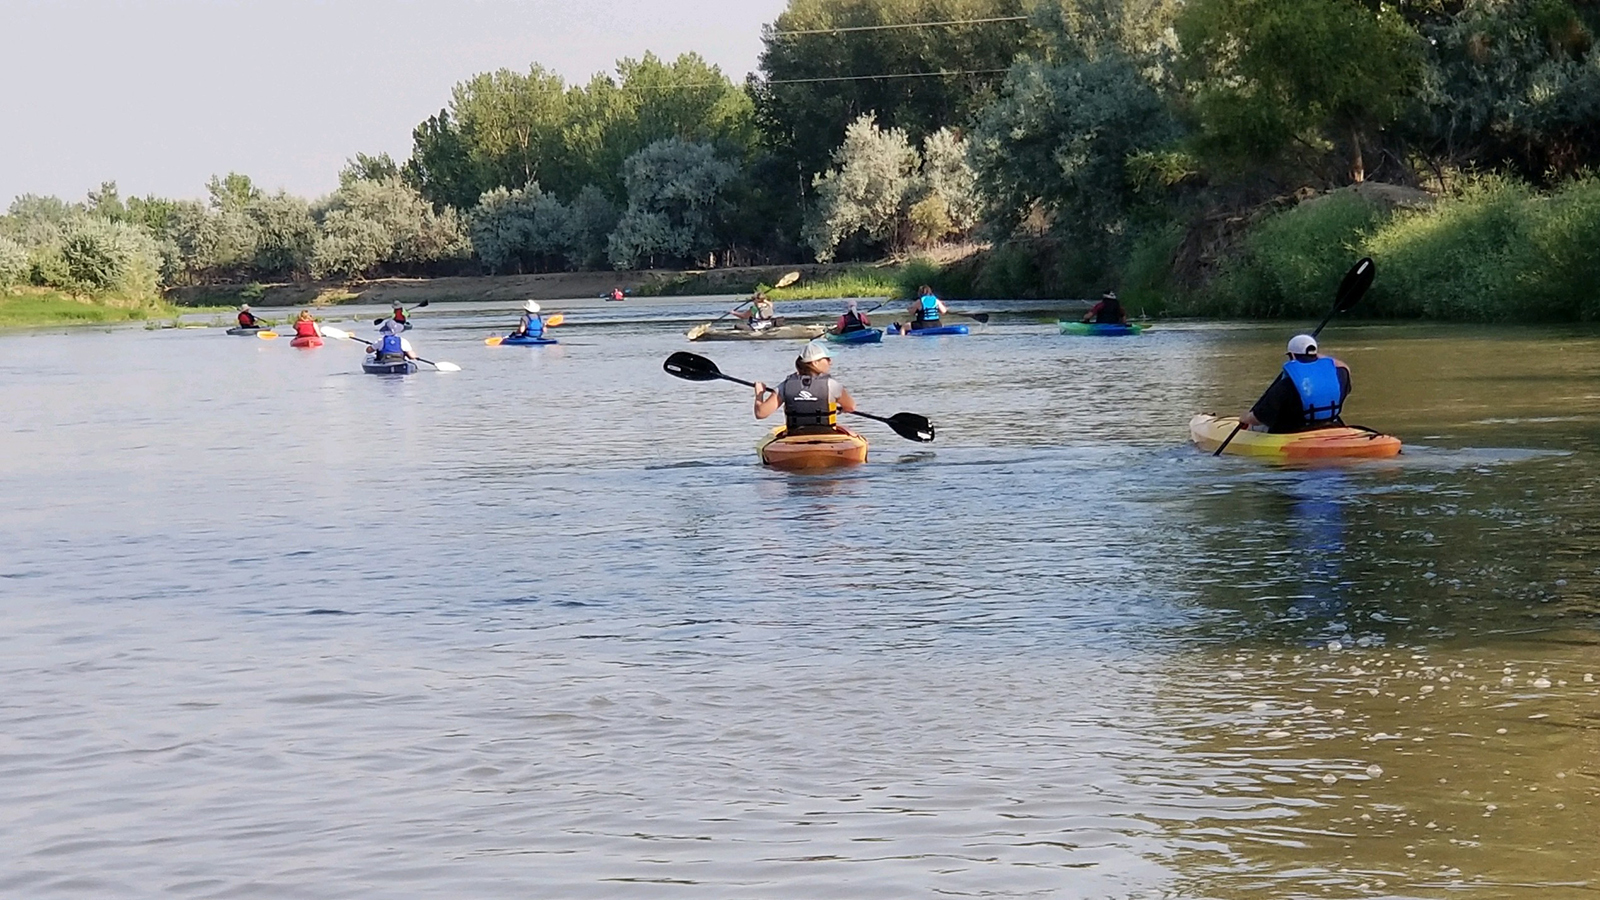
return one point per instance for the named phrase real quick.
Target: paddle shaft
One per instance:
(853, 412)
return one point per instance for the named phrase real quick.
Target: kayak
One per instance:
(775, 333)
(1208, 433)
(516, 341)
(812, 451)
(389, 367)
(247, 332)
(1100, 329)
(309, 340)
(935, 330)
(863, 336)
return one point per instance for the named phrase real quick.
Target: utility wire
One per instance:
(901, 25)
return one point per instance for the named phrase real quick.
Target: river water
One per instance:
(543, 627)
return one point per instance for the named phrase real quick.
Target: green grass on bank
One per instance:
(26, 306)
(1497, 251)
(875, 282)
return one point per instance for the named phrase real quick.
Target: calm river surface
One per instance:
(543, 627)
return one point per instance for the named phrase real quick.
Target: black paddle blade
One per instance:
(980, 318)
(1355, 284)
(912, 427)
(377, 321)
(420, 305)
(691, 366)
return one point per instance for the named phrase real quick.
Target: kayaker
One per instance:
(531, 325)
(852, 320)
(247, 319)
(616, 293)
(926, 309)
(1309, 392)
(1108, 311)
(398, 313)
(305, 325)
(391, 347)
(811, 398)
(760, 316)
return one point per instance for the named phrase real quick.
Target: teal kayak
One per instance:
(1100, 329)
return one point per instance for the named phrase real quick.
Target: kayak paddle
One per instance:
(693, 367)
(551, 322)
(379, 321)
(1351, 289)
(343, 335)
(704, 327)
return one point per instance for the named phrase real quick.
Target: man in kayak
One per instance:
(247, 319)
(305, 325)
(391, 347)
(531, 325)
(1108, 311)
(1309, 392)
(810, 398)
(398, 313)
(760, 316)
(852, 320)
(926, 309)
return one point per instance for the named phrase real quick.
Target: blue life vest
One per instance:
(1317, 382)
(930, 309)
(533, 325)
(391, 344)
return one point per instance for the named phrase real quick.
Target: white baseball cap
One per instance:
(814, 351)
(531, 306)
(1302, 345)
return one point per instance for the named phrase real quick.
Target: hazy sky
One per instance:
(158, 95)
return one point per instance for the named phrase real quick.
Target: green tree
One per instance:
(867, 192)
(817, 77)
(1059, 141)
(362, 167)
(285, 236)
(440, 166)
(13, 262)
(675, 201)
(1267, 76)
(525, 230)
(367, 225)
(101, 256)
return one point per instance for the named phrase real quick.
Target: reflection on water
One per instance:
(543, 626)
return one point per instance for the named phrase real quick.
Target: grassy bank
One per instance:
(25, 306)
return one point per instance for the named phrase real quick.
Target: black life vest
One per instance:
(806, 405)
(1110, 312)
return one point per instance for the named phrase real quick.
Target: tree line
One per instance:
(1091, 142)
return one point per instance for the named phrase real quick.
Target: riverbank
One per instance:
(31, 306)
(816, 280)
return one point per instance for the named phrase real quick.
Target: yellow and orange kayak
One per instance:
(812, 451)
(1208, 433)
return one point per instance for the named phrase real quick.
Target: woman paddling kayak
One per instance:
(811, 398)
(853, 320)
(306, 333)
(531, 325)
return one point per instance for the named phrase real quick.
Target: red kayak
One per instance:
(308, 340)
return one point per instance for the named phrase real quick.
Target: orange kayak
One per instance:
(305, 341)
(1208, 433)
(812, 451)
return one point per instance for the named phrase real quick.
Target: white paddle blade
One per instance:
(787, 280)
(336, 333)
(446, 366)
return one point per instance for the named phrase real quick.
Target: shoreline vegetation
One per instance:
(1201, 157)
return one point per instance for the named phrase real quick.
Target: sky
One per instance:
(159, 95)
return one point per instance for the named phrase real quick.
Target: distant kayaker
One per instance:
(617, 294)
(852, 320)
(760, 316)
(247, 319)
(1108, 311)
(398, 313)
(531, 325)
(1308, 393)
(391, 347)
(305, 325)
(811, 398)
(926, 309)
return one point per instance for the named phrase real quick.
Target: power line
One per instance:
(901, 25)
(885, 75)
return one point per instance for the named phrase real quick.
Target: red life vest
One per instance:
(399, 316)
(247, 320)
(305, 328)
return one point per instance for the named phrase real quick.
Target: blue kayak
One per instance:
(863, 336)
(936, 330)
(518, 341)
(389, 367)
(1100, 329)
